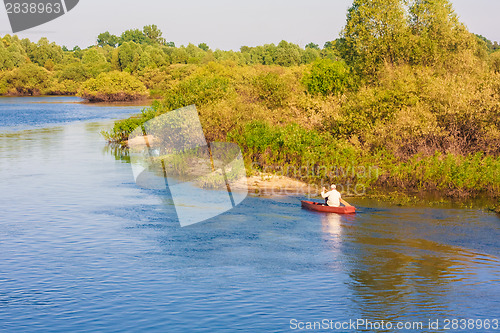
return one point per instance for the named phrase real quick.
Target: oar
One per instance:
(345, 203)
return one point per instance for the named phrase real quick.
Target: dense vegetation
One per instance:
(44, 68)
(405, 98)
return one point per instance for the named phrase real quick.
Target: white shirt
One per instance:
(333, 198)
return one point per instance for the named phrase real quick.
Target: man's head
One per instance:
(334, 187)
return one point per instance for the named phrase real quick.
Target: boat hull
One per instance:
(318, 207)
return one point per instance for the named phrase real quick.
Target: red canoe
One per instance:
(316, 206)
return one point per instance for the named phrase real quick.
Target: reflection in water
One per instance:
(398, 274)
(332, 229)
(330, 223)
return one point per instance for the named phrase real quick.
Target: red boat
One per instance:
(318, 207)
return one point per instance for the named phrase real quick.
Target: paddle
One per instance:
(345, 203)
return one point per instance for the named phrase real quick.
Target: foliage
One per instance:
(327, 77)
(203, 46)
(94, 62)
(271, 89)
(396, 32)
(113, 86)
(375, 32)
(153, 34)
(27, 80)
(197, 89)
(106, 38)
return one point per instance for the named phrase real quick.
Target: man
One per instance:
(332, 198)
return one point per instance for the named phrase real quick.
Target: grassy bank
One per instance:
(358, 139)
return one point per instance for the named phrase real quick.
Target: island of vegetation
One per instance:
(405, 98)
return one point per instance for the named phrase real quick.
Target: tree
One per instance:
(288, 54)
(312, 46)
(154, 34)
(437, 32)
(95, 62)
(129, 54)
(376, 31)
(203, 46)
(106, 38)
(310, 55)
(42, 51)
(133, 35)
(29, 79)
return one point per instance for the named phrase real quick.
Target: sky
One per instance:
(226, 24)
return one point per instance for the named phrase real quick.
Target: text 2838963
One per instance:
(33, 8)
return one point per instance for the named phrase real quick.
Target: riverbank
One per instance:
(270, 185)
(266, 184)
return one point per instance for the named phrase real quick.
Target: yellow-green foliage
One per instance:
(113, 86)
(28, 80)
(328, 77)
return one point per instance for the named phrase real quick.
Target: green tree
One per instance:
(310, 55)
(203, 46)
(106, 38)
(153, 34)
(129, 54)
(12, 53)
(288, 54)
(376, 32)
(133, 35)
(312, 46)
(44, 50)
(437, 32)
(95, 62)
(73, 72)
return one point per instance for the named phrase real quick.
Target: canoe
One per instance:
(318, 207)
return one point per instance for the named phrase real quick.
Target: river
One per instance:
(83, 249)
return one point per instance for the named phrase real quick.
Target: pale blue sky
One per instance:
(227, 24)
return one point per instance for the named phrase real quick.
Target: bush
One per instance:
(271, 89)
(198, 90)
(327, 77)
(113, 86)
(28, 80)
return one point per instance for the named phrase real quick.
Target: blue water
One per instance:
(17, 113)
(83, 249)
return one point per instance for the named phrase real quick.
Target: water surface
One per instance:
(82, 248)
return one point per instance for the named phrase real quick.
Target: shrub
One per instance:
(327, 77)
(198, 90)
(113, 86)
(271, 89)
(29, 80)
